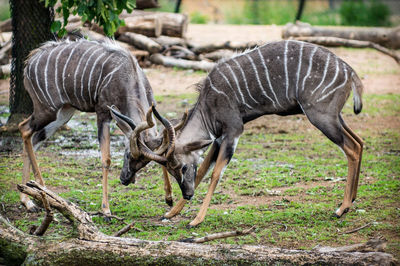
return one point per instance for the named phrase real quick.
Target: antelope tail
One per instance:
(357, 88)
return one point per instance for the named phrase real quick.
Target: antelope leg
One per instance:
(225, 154)
(167, 187)
(203, 169)
(353, 150)
(104, 139)
(361, 143)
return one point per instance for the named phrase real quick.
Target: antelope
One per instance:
(283, 78)
(61, 77)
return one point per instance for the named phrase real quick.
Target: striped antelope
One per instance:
(89, 76)
(283, 78)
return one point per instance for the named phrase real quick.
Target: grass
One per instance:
(286, 179)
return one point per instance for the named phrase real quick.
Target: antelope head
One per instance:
(137, 154)
(181, 160)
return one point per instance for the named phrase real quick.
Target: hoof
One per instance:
(334, 215)
(164, 218)
(189, 226)
(170, 202)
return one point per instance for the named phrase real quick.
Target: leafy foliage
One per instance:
(103, 12)
(361, 14)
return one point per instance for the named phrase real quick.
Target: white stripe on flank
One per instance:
(238, 87)
(245, 80)
(285, 67)
(268, 79)
(34, 90)
(109, 77)
(310, 63)
(56, 73)
(338, 87)
(90, 76)
(215, 89)
(334, 78)
(30, 80)
(99, 79)
(46, 83)
(229, 84)
(299, 68)
(37, 81)
(83, 74)
(258, 79)
(77, 69)
(323, 77)
(65, 67)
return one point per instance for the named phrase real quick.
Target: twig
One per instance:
(106, 215)
(124, 229)
(357, 229)
(219, 236)
(284, 225)
(48, 218)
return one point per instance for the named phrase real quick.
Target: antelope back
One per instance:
(278, 77)
(82, 74)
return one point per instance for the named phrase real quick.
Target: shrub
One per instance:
(358, 13)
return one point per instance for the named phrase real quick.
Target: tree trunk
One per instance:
(94, 248)
(174, 25)
(31, 22)
(387, 37)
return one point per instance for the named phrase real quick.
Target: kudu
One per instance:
(61, 77)
(283, 78)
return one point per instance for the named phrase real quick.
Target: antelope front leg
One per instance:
(29, 159)
(224, 156)
(203, 169)
(167, 187)
(104, 138)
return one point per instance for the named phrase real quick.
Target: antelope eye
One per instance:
(184, 168)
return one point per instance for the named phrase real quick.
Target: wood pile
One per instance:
(160, 38)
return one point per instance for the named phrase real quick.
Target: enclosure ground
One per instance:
(286, 177)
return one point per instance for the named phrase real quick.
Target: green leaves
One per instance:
(103, 12)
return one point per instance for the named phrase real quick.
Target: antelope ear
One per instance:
(123, 122)
(196, 145)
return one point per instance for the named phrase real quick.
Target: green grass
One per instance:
(286, 180)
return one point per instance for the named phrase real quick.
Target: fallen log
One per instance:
(387, 37)
(140, 41)
(166, 41)
(334, 41)
(6, 25)
(94, 248)
(208, 48)
(5, 53)
(5, 70)
(143, 4)
(173, 24)
(181, 63)
(218, 55)
(5, 37)
(180, 52)
(148, 26)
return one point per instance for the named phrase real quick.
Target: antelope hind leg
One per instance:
(353, 151)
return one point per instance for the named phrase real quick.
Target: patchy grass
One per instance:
(286, 178)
